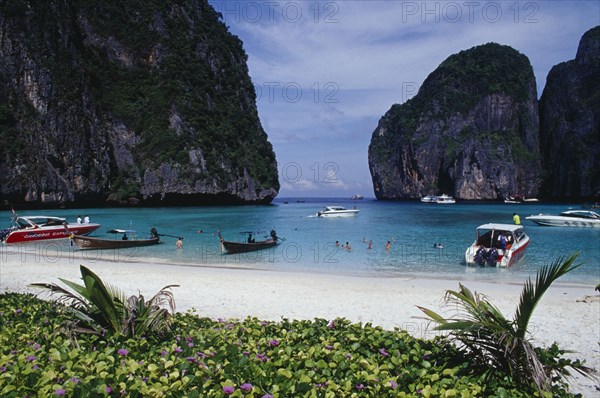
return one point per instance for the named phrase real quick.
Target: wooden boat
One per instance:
(250, 245)
(128, 239)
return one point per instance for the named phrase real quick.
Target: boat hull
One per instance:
(87, 242)
(47, 233)
(240, 247)
(557, 221)
(347, 213)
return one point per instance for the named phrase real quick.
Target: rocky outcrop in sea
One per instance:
(125, 103)
(471, 131)
(570, 124)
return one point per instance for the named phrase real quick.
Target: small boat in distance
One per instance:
(35, 228)
(519, 199)
(429, 199)
(337, 211)
(445, 199)
(442, 199)
(569, 218)
(129, 239)
(497, 245)
(250, 245)
(356, 197)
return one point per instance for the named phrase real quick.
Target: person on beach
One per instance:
(78, 219)
(516, 219)
(370, 244)
(179, 243)
(86, 219)
(348, 246)
(388, 246)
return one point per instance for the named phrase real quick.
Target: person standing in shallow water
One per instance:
(516, 219)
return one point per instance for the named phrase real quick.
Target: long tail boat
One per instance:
(250, 245)
(128, 239)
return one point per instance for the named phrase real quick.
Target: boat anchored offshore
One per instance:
(442, 199)
(445, 199)
(497, 245)
(129, 239)
(250, 245)
(35, 228)
(337, 211)
(569, 218)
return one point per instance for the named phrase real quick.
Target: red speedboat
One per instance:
(34, 228)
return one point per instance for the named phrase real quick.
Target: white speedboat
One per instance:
(569, 218)
(35, 228)
(337, 211)
(497, 245)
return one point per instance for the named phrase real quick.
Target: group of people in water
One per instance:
(346, 246)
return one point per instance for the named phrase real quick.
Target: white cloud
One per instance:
(374, 54)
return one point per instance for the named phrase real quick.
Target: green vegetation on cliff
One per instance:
(168, 72)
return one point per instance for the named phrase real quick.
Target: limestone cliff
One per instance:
(138, 101)
(471, 131)
(570, 124)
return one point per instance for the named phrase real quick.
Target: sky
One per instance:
(325, 72)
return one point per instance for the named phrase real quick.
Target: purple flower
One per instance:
(273, 343)
(36, 346)
(122, 352)
(108, 389)
(331, 325)
(393, 384)
(190, 344)
(348, 356)
(228, 390)
(60, 392)
(163, 353)
(2, 369)
(383, 352)
(74, 380)
(35, 367)
(329, 347)
(178, 349)
(246, 387)
(360, 386)
(267, 396)
(18, 311)
(30, 358)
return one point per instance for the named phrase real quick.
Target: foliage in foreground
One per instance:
(249, 358)
(102, 309)
(498, 344)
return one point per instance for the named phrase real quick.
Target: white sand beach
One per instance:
(390, 302)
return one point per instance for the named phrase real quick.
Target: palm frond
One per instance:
(532, 294)
(497, 343)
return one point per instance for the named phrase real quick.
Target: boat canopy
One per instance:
(121, 231)
(501, 227)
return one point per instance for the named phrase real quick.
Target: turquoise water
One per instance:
(412, 227)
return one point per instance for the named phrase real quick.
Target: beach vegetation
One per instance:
(250, 358)
(498, 345)
(98, 308)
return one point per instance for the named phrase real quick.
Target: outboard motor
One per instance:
(480, 256)
(153, 232)
(492, 257)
